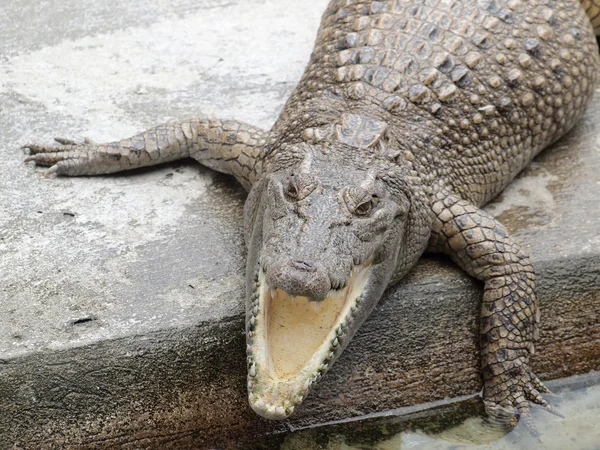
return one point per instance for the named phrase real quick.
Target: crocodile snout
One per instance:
(299, 278)
(303, 265)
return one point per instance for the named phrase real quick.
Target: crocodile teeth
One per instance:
(292, 344)
(306, 385)
(335, 293)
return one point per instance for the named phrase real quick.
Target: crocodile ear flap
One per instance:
(301, 181)
(304, 167)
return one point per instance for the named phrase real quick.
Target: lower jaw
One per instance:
(292, 342)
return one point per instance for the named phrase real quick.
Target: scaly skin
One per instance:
(437, 105)
(592, 9)
(228, 146)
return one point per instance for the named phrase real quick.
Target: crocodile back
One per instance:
(468, 91)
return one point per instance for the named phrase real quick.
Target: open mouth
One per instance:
(292, 341)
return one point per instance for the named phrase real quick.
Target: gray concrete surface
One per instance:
(121, 297)
(124, 250)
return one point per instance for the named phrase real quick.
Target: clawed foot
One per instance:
(72, 158)
(57, 157)
(516, 389)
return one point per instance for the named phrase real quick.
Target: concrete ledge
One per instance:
(121, 312)
(185, 388)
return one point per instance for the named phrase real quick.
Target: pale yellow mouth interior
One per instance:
(298, 331)
(296, 328)
(293, 341)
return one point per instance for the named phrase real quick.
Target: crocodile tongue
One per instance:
(293, 341)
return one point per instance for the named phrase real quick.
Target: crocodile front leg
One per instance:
(228, 146)
(509, 315)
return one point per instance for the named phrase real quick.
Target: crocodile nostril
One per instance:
(303, 265)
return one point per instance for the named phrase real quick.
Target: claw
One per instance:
(525, 416)
(549, 393)
(32, 148)
(537, 384)
(65, 141)
(37, 149)
(44, 159)
(552, 410)
(533, 395)
(518, 392)
(51, 170)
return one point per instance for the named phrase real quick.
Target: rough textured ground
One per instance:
(121, 298)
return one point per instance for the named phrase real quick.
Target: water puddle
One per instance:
(464, 426)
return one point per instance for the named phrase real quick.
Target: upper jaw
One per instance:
(292, 341)
(297, 278)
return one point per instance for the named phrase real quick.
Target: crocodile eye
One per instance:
(364, 209)
(299, 186)
(291, 190)
(359, 202)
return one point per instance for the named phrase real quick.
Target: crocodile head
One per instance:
(324, 240)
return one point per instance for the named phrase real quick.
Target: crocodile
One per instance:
(410, 116)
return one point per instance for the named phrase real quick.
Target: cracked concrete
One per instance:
(121, 312)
